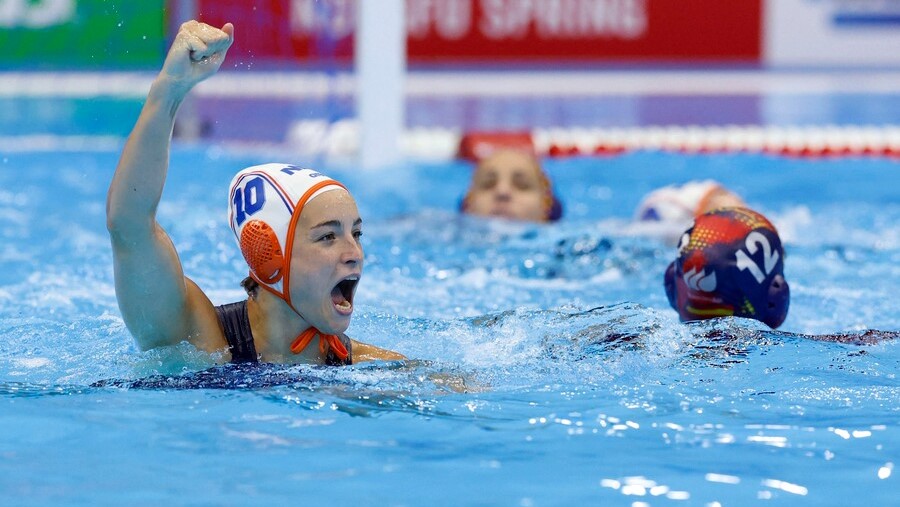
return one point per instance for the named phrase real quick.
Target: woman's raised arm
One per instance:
(159, 305)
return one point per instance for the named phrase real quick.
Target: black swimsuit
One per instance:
(235, 322)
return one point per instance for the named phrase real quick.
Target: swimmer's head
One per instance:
(730, 262)
(510, 183)
(265, 203)
(681, 204)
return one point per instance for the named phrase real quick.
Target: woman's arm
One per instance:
(363, 352)
(159, 305)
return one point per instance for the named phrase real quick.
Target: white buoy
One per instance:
(380, 61)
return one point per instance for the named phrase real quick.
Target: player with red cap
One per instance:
(508, 181)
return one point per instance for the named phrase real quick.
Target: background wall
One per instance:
(79, 34)
(849, 33)
(76, 34)
(486, 32)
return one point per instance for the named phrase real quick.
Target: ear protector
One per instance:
(261, 249)
(730, 262)
(264, 204)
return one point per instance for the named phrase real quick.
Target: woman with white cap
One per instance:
(298, 230)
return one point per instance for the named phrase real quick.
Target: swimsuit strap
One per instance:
(235, 322)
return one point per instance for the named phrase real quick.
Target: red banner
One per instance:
(494, 31)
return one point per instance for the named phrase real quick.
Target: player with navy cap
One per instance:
(730, 262)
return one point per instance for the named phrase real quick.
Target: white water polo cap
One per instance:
(680, 204)
(265, 202)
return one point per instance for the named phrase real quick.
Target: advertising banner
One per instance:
(654, 31)
(505, 31)
(285, 31)
(846, 33)
(76, 34)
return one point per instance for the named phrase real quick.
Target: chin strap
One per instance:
(326, 342)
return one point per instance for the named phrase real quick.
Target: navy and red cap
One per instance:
(730, 262)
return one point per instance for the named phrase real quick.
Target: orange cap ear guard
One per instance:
(264, 203)
(260, 247)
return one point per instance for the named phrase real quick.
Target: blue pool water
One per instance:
(583, 388)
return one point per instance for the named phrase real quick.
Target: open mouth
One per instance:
(342, 295)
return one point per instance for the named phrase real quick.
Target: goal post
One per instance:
(380, 65)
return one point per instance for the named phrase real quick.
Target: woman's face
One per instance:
(508, 184)
(327, 261)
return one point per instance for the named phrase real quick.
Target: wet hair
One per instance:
(251, 286)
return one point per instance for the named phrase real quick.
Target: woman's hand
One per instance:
(159, 304)
(196, 53)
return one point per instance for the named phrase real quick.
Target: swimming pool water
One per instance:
(583, 388)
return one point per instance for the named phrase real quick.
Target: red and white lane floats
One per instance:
(341, 139)
(825, 141)
(819, 141)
